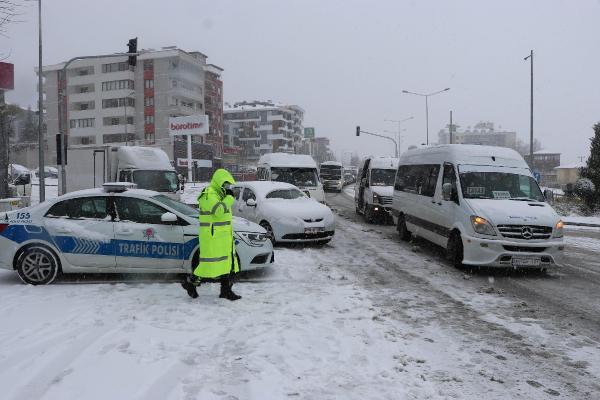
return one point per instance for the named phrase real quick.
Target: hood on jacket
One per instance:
(219, 178)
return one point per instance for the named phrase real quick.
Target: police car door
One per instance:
(142, 240)
(82, 228)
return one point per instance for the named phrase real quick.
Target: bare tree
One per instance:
(9, 11)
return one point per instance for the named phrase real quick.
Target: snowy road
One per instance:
(366, 317)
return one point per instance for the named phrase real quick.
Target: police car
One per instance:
(116, 228)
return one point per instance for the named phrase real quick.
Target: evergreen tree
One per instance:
(29, 128)
(592, 168)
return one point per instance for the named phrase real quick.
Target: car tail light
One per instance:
(3, 227)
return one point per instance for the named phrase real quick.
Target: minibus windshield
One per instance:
(499, 186)
(383, 177)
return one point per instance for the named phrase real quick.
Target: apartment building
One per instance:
(483, 133)
(213, 99)
(110, 102)
(260, 127)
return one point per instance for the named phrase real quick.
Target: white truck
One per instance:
(148, 167)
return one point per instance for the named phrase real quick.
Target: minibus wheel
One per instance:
(454, 250)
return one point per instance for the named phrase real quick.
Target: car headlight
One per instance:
(375, 198)
(558, 229)
(252, 238)
(482, 226)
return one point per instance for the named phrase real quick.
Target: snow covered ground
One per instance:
(349, 191)
(51, 189)
(362, 318)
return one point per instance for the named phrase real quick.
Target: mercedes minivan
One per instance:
(481, 203)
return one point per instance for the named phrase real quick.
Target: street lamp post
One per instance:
(530, 57)
(41, 169)
(399, 128)
(426, 105)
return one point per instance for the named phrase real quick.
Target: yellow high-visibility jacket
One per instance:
(217, 249)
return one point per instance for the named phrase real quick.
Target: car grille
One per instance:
(522, 249)
(526, 232)
(261, 259)
(318, 235)
(313, 220)
(385, 200)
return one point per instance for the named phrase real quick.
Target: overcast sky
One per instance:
(347, 62)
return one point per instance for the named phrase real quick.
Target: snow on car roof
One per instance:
(464, 154)
(288, 160)
(334, 163)
(140, 157)
(384, 163)
(262, 188)
(100, 191)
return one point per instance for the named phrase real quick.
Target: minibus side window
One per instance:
(450, 177)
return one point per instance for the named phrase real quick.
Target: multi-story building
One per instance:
(482, 133)
(110, 102)
(213, 99)
(261, 127)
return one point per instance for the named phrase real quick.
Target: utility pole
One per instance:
(41, 174)
(426, 95)
(530, 57)
(451, 127)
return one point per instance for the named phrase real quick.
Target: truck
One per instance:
(148, 167)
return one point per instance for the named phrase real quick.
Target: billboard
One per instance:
(7, 76)
(309, 133)
(188, 125)
(182, 162)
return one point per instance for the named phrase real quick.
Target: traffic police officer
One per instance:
(218, 259)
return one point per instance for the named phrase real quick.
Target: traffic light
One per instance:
(132, 45)
(358, 131)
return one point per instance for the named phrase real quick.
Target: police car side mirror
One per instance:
(251, 203)
(168, 217)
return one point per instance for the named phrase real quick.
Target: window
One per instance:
(149, 83)
(149, 119)
(449, 176)
(138, 211)
(81, 123)
(248, 194)
(82, 208)
(116, 85)
(148, 101)
(120, 102)
(116, 67)
(418, 179)
(114, 121)
(148, 65)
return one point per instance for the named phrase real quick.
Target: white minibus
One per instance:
(481, 203)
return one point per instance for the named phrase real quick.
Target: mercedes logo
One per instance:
(526, 232)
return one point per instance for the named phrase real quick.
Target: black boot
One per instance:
(189, 284)
(226, 292)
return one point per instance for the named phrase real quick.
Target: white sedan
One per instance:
(113, 229)
(284, 211)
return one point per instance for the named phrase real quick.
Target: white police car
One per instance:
(113, 229)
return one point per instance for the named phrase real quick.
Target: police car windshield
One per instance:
(176, 205)
(499, 186)
(159, 181)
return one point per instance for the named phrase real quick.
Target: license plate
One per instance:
(312, 231)
(526, 261)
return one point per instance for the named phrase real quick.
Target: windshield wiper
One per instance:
(478, 197)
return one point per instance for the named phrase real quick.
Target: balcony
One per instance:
(276, 136)
(111, 129)
(77, 132)
(275, 118)
(186, 94)
(249, 139)
(81, 97)
(117, 111)
(80, 114)
(267, 146)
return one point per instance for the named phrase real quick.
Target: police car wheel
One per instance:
(37, 265)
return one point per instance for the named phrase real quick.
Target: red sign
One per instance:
(231, 150)
(7, 76)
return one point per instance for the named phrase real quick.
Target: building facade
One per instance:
(545, 163)
(259, 127)
(483, 133)
(213, 99)
(110, 102)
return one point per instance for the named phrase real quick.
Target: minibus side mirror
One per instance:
(447, 191)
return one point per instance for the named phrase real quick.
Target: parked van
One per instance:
(374, 188)
(298, 169)
(481, 203)
(331, 174)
